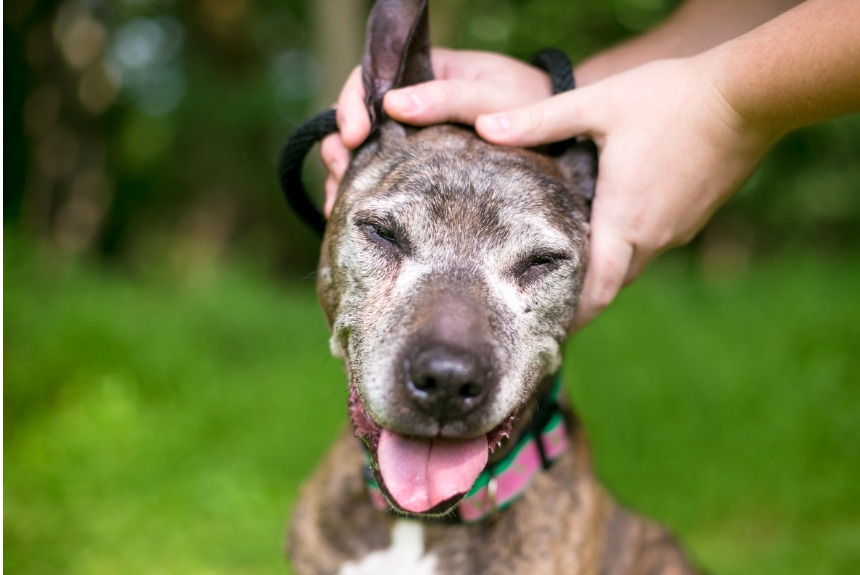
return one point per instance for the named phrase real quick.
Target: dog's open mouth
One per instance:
(424, 475)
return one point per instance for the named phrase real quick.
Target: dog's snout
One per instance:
(446, 383)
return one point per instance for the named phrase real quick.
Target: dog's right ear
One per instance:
(578, 165)
(396, 52)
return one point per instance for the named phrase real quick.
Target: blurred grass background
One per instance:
(167, 380)
(156, 423)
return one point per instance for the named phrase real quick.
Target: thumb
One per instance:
(609, 260)
(552, 120)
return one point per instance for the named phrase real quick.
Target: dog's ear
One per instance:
(578, 165)
(396, 52)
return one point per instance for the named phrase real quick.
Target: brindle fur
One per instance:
(566, 523)
(490, 238)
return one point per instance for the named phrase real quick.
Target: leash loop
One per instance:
(293, 158)
(556, 63)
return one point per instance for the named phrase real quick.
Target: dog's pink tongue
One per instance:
(421, 473)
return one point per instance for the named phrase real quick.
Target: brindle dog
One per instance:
(449, 274)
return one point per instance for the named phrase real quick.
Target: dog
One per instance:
(449, 273)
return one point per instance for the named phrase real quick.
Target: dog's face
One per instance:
(449, 275)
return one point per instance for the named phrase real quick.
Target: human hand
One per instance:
(467, 84)
(671, 148)
(671, 151)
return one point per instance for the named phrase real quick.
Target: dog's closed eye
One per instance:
(537, 266)
(382, 233)
(387, 237)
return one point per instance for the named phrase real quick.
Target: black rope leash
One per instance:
(557, 65)
(293, 158)
(293, 155)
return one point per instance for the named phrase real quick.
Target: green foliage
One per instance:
(730, 409)
(521, 28)
(207, 92)
(155, 424)
(158, 421)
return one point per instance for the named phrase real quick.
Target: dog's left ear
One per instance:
(396, 53)
(578, 165)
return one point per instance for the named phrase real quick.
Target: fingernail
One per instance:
(407, 100)
(499, 123)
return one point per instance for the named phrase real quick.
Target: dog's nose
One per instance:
(446, 383)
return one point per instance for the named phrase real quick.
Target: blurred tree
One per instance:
(339, 42)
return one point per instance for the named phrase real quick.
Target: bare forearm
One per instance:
(799, 68)
(696, 26)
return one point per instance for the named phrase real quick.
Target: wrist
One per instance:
(797, 69)
(735, 99)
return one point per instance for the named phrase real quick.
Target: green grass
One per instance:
(731, 410)
(156, 422)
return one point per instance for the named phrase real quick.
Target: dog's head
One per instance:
(449, 274)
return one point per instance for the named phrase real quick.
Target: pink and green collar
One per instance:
(501, 483)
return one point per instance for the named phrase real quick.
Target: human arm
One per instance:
(678, 137)
(695, 26)
(800, 68)
(472, 83)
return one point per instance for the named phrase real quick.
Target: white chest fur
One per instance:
(405, 556)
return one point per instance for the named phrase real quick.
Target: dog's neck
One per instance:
(542, 437)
